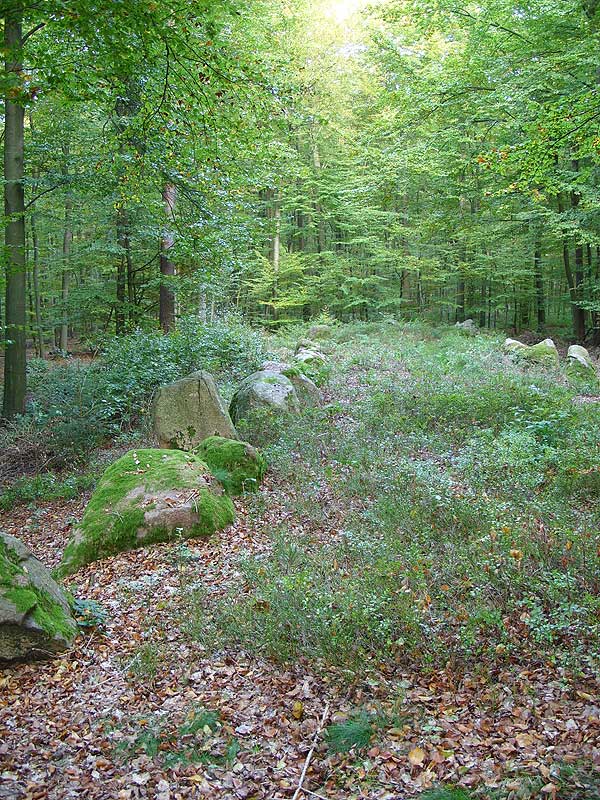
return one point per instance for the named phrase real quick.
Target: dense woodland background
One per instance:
(293, 159)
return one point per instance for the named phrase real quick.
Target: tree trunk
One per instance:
(539, 285)
(37, 303)
(66, 255)
(578, 313)
(122, 270)
(15, 363)
(167, 268)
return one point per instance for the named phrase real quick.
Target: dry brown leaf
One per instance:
(417, 756)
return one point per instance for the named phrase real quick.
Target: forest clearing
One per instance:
(300, 430)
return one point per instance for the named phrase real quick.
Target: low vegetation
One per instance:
(451, 495)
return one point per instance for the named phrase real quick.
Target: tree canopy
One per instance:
(296, 159)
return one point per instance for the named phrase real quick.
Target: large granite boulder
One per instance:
(35, 619)
(237, 465)
(264, 390)
(310, 357)
(541, 353)
(148, 496)
(309, 395)
(468, 326)
(188, 411)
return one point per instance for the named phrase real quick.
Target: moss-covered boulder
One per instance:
(309, 395)
(148, 496)
(264, 390)
(541, 353)
(35, 619)
(514, 346)
(188, 411)
(579, 361)
(237, 465)
(316, 332)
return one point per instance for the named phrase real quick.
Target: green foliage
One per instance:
(464, 499)
(193, 741)
(446, 794)
(46, 486)
(88, 613)
(355, 732)
(133, 366)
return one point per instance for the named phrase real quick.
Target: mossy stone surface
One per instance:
(580, 367)
(320, 332)
(310, 357)
(35, 619)
(514, 346)
(309, 395)
(187, 411)
(237, 465)
(265, 389)
(148, 496)
(542, 353)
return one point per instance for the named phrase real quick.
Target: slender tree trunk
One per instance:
(120, 316)
(578, 313)
(66, 255)
(167, 268)
(321, 242)
(37, 303)
(15, 363)
(539, 285)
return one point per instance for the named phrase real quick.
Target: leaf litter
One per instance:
(108, 719)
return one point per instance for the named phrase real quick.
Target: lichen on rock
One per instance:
(264, 390)
(187, 411)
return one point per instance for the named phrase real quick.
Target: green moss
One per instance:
(541, 353)
(46, 612)
(112, 519)
(291, 372)
(237, 465)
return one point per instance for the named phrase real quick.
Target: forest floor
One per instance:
(141, 707)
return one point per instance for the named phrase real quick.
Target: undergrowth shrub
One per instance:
(46, 486)
(73, 408)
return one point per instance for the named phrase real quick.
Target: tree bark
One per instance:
(167, 268)
(35, 279)
(539, 285)
(66, 255)
(577, 313)
(15, 363)
(123, 242)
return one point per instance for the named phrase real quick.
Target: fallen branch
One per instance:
(310, 754)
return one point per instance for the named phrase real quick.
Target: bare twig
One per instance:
(310, 754)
